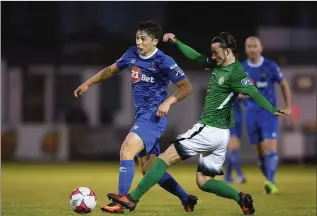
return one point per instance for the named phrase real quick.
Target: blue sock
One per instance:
(170, 184)
(271, 162)
(229, 167)
(126, 174)
(234, 157)
(261, 164)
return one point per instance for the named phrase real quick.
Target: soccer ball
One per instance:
(82, 200)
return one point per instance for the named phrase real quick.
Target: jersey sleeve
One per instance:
(173, 71)
(122, 63)
(240, 83)
(277, 74)
(192, 54)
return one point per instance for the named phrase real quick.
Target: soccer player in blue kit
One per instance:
(262, 127)
(233, 162)
(151, 70)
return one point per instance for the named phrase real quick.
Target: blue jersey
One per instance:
(237, 113)
(236, 131)
(263, 76)
(150, 77)
(260, 123)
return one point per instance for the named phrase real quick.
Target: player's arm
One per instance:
(242, 96)
(189, 52)
(286, 90)
(184, 89)
(104, 74)
(242, 84)
(278, 77)
(178, 77)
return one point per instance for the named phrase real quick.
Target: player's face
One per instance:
(145, 43)
(218, 54)
(253, 48)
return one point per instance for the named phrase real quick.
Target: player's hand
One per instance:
(288, 111)
(242, 96)
(283, 112)
(169, 37)
(163, 109)
(81, 89)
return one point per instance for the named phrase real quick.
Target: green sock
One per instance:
(149, 179)
(222, 189)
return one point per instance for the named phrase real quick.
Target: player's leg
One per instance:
(233, 155)
(209, 166)
(140, 140)
(131, 146)
(229, 163)
(182, 149)
(254, 134)
(269, 129)
(168, 183)
(152, 177)
(261, 156)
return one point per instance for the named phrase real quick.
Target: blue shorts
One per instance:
(236, 131)
(149, 128)
(261, 125)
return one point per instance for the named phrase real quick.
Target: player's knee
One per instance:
(201, 179)
(269, 145)
(166, 156)
(131, 146)
(126, 152)
(170, 156)
(234, 143)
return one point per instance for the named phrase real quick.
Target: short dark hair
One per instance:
(151, 27)
(226, 40)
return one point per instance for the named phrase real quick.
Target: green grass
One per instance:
(44, 189)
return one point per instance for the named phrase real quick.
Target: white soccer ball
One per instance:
(83, 200)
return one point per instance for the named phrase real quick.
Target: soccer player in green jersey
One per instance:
(209, 137)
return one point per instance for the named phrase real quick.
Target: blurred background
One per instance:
(49, 48)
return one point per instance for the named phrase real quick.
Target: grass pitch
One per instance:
(44, 189)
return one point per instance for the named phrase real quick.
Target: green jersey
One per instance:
(225, 84)
(223, 88)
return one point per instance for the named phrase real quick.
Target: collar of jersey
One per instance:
(147, 57)
(227, 67)
(257, 64)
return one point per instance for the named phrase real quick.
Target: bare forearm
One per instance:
(104, 74)
(287, 95)
(179, 95)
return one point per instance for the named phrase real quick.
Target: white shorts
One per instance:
(210, 142)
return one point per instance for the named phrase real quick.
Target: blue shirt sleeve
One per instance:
(174, 72)
(277, 74)
(123, 62)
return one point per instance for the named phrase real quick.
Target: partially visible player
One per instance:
(151, 70)
(262, 127)
(233, 155)
(209, 137)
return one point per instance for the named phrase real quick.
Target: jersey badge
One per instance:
(221, 80)
(152, 67)
(246, 82)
